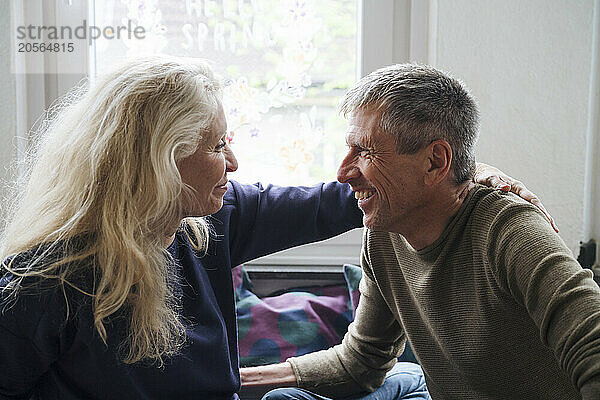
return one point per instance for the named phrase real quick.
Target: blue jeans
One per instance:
(403, 382)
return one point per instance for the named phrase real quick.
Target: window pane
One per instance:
(287, 64)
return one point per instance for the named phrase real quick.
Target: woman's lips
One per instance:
(222, 187)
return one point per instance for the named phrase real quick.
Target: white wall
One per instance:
(529, 65)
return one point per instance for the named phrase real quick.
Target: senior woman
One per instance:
(110, 286)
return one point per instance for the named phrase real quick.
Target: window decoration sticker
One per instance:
(145, 13)
(285, 65)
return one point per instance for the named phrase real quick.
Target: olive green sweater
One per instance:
(495, 308)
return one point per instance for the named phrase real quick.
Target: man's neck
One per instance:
(436, 216)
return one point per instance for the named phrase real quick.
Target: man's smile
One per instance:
(363, 194)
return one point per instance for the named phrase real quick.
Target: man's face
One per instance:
(388, 185)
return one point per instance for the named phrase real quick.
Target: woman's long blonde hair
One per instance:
(103, 173)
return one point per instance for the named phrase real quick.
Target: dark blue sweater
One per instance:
(45, 355)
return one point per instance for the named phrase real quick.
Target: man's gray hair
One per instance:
(418, 105)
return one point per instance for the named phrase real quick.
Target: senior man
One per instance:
(490, 299)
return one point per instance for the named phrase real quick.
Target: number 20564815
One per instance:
(45, 47)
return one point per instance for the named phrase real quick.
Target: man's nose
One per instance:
(348, 169)
(230, 160)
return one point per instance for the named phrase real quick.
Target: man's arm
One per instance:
(533, 264)
(277, 375)
(369, 349)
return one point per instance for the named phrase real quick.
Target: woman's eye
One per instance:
(221, 145)
(360, 151)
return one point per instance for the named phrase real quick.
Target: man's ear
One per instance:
(439, 157)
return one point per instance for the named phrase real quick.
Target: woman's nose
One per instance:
(231, 163)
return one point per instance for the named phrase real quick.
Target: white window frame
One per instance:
(36, 92)
(389, 31)
(591, 209)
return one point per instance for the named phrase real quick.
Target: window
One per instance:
(288, 62)
(286, 65)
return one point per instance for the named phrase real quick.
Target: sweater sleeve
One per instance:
(536, 268)
(369, 349)
(264, 220)
(30, 330)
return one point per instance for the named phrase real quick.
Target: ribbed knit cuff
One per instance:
(591, 389)
(319, 373)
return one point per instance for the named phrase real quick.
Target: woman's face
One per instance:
(205, 171)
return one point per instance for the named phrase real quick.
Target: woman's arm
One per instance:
(30, 327)
(22, 365)
(493, 177)
(263, 220)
